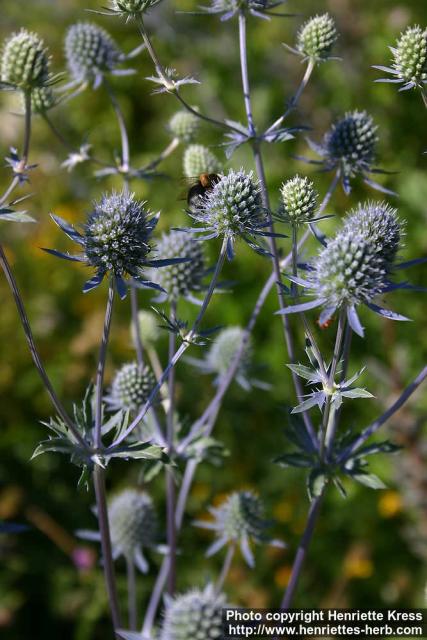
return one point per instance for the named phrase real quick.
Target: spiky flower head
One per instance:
(42, 100)
(181, 279)
(90, 52)
(233, 208)
(380, 225)
(131, 387)
(133, 525)
(316, 37)
(131, 8)
(25, 61)
(196, 615)
(409, 59)
(148, 327)
(239, 520)
(199, 159)
(351, 142)
(185, 126)
(229, 8)
(115, 240)
(299, 200)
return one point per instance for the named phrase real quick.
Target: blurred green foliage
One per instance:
(361, 554)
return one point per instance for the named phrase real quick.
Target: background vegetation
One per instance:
(369, 549)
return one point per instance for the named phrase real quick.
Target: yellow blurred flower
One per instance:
(389, 504)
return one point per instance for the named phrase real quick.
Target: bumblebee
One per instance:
(205, 182)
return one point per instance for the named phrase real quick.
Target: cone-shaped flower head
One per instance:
(317, 37)
(181, 279)
(185, 126)
(349, 270)
(116, 239)
(199, 159)
(133, 525)
(239, 520)
(409, 59)
(90, 52)
(196, 615)
(42, 100)
(25, 62)
(380, 225)
(351, 143)
(299, 200)
(131, 387)
(131, 8)
(233, 208)
(148, 327)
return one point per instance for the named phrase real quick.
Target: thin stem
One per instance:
(25, 149)
(170, 483)
(294, 101)
(183, 347)
(373, 428)
(302, 552)
(225, 568)
(326, 422)
(34, 352)
(122, 126)
(101, 365)
(107, 556)
(244, 72)
(155, 598)
(162, 156)
(131, 585)
(136, 328)
(424, 97)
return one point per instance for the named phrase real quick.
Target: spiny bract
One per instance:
(117, 234)
(199, 159)
(410, 57)
(133, 522)
(25, 62)
(380, 225)
(132, 8)
(185, 126)
(317, 36)
(90, 52)
(180, 279)
(131, 387)
(299, 200)
(196, 615)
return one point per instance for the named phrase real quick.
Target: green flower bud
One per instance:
(133, 522)
(316, 37)
(180, 279)
(199, 159)
(148, 327)
(131, 387)
(299, 200)
(185, 126)
(25, 63)
(224, 348)
(410, 56)
(132, 8)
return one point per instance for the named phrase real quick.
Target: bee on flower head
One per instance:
(201, 186)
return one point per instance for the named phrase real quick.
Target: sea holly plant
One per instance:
(137, 418)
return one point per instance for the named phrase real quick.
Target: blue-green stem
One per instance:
(101, 364)
(170, 482)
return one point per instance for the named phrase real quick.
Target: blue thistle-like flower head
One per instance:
(409, 67)
(91, 53)
(116, 239)
(239, 520)
(355, 266)
(317, 37)
(229, 8)
(25, 62)
(131, 8)
(349, 147)
(233, 208)
(196, 614)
